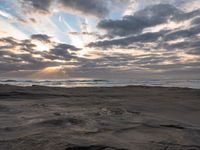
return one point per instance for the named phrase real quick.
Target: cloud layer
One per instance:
(98, 8)
(140, 29)
(157, 38)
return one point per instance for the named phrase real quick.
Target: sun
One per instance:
(41, 46)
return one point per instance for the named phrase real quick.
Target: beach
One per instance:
(99, 118)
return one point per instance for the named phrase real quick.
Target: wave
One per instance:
(104, 83)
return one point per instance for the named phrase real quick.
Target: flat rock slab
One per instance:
(117, 118)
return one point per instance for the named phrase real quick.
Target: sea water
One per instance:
(195, 84)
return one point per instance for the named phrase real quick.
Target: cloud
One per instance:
(62, 51)
(147, 37)
(145, 18)
(16, 55)
(159, 39)
(130, 31)
(187, 5)
(98, 8)
(120, 65)
(183, 33)
(92, 7)
(169, 46)
(184, 5)
(41, 37)
(148, 17)
(196, 21)
(41, 6)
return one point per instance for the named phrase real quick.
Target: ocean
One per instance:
(195, 84)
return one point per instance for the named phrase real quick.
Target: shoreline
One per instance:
(194, 84)
(122, 86)
(99, 118)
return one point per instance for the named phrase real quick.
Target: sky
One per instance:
(122, 39)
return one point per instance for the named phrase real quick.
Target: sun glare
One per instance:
(40, 46)
(50, 70)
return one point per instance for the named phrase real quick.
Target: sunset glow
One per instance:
(99, 38)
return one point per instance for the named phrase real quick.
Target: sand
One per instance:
(117, 118)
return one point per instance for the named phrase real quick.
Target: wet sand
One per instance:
(117, 118)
